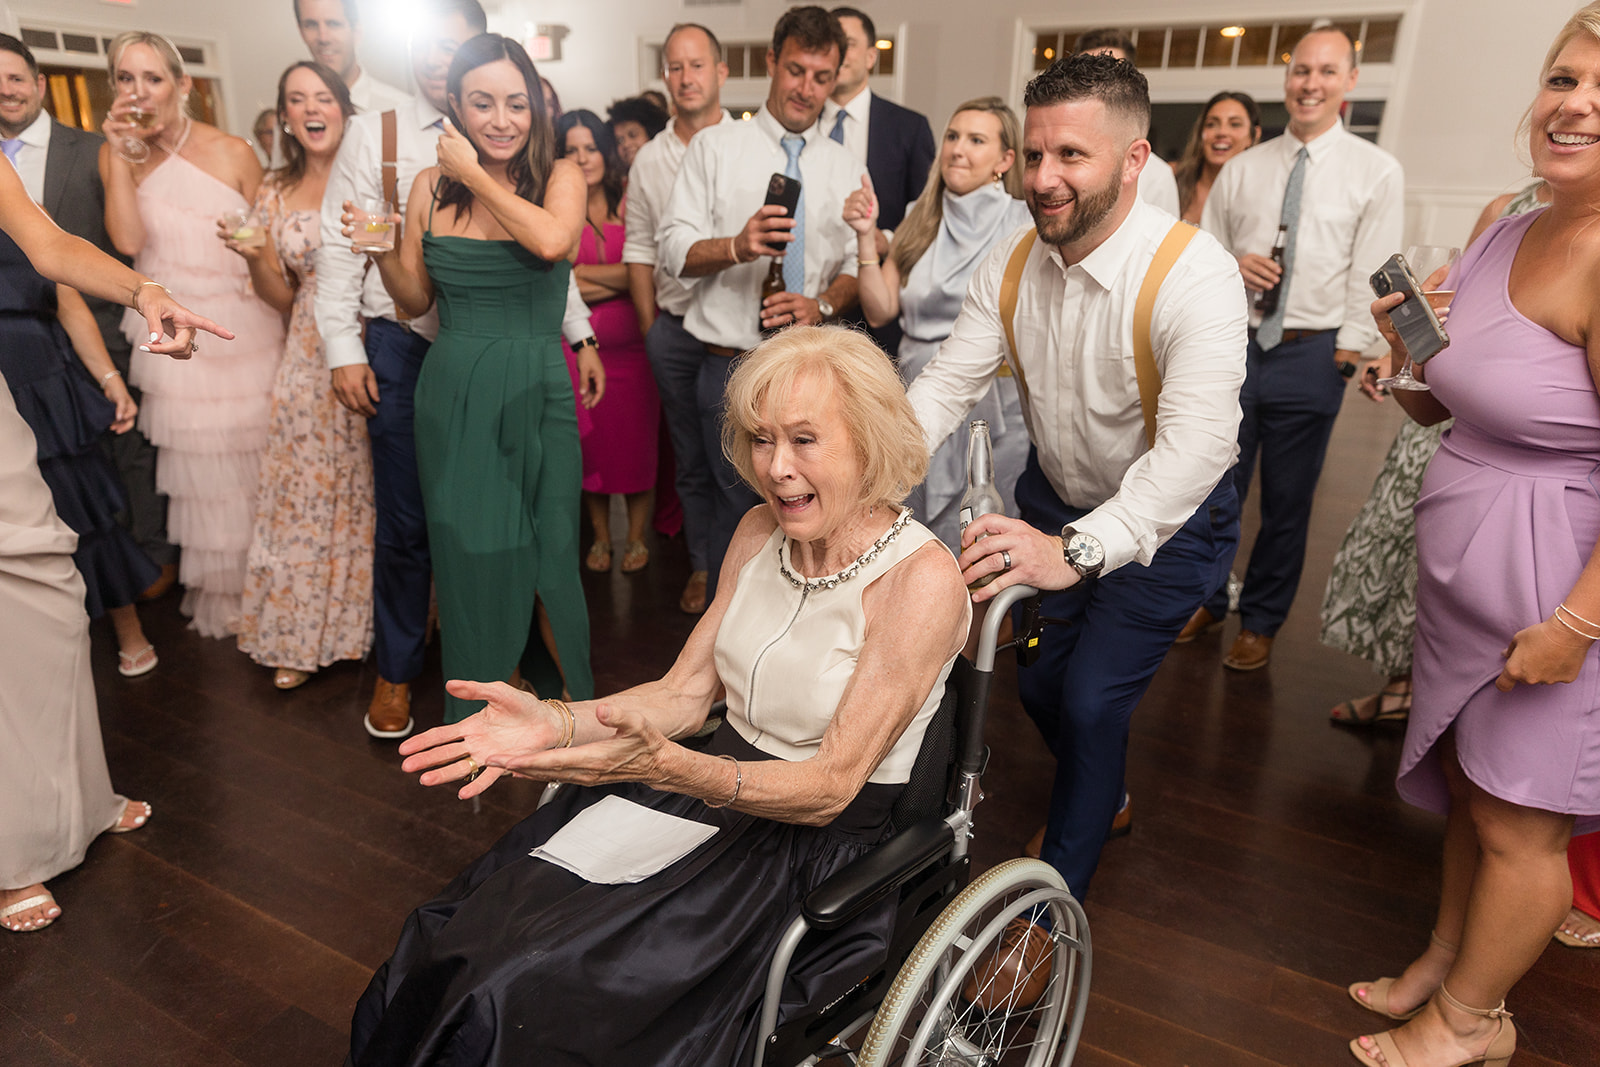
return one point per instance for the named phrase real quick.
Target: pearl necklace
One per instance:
(832, 580)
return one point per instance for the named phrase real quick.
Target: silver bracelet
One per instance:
(738, 784)
(113, 373)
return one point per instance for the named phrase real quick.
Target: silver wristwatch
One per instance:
(1084, 552)
(824, 308)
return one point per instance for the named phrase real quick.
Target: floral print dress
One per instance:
(308, 585)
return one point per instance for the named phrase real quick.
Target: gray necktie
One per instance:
(794, 257)
(838, 126)
(1270, 335)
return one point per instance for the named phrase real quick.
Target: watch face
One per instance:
(1085, 551)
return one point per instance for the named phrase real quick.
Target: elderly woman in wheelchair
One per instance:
(663, 877)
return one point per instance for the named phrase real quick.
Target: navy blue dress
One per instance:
(68, 414)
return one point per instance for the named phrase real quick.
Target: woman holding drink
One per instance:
(496, 420)
(1508, 540)
(308, 583)
(168, 178)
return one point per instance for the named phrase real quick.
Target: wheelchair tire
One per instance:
(925, 1021)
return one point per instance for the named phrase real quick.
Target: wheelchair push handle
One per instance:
(989, 635)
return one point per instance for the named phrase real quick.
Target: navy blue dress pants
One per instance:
(1082, 691)
(401, 568)
(730, 497)
(1290, 399)
(675, 360)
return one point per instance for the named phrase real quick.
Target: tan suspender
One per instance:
(391, 178)
(1144, 359)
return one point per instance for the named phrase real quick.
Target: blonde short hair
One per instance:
(872, 401)
(1585, 20)
(165, 49)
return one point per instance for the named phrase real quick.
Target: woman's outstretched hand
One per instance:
(631, 754)
(164, 316)
(512, 722)
(1543, 654)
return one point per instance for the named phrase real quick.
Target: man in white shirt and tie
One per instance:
(693, 67)
(1339, 200)
(331, 30)
(719, 238)
(1128, 531)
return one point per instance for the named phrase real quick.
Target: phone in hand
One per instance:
(783, 191)
(1414, 319)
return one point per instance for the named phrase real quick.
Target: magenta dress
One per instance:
(620, 434)
(1507, 518)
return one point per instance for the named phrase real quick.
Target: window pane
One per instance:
(1255, 47)
(1366, 113)
(1185, 47)
(1218, 49)
(190, 54)
(1289, 34)
(735, 59)
(1379, 45)
(1151, 47)
(40, 39)
(757, 64)
(1045, 49)
(79, 42)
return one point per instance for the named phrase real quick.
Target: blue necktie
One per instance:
(11, 146)
(1270, 335)
(794, 260)
(838, 127)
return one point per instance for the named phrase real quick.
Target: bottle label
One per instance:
(966, 518)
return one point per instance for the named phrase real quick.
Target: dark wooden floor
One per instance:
(1270, 864)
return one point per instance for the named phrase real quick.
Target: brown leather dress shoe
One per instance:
(1250, 652)
(159, 587)
(1202, 621)
(389, 714)
(693, 600)
(1016, 974)
(1035, 845)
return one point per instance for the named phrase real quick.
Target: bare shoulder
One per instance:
(924, 588)
(754, 530)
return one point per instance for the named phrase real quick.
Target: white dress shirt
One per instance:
(650, 182)
(1351, 206)
(31, 156)
(1074, 330)
(857, 122)
(1158, 186)
(722, 183)
(370, 94)
(346, 290)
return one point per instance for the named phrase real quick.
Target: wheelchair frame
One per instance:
(927, 865)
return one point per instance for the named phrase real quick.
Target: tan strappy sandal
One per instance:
(1377, 998)
(1498, 1054)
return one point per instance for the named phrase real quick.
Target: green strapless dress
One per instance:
(501, 468)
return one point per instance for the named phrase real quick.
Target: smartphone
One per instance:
(1413, 319)
(785, 192)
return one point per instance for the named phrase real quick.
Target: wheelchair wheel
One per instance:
(925, 1021)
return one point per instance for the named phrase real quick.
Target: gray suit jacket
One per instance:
(75, 198)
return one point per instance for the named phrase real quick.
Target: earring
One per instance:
(287, 130)
(999, 175)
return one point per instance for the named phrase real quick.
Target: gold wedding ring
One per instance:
(476, 770)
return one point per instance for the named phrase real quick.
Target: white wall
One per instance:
(1465, 69)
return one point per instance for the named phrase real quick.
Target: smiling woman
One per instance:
(523, 959)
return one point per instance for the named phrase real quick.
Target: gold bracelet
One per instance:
(571, 725)
(738, 783)
(133, 297)
(1557, 616)
(868, 262)
(1563, 607)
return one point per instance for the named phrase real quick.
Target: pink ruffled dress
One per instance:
(207, 414)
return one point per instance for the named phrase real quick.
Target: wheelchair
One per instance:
(946, 926)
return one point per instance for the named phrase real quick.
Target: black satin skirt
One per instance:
(522, 962)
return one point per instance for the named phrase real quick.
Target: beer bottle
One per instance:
(772, 283)
(1267, 302)
(981, 497)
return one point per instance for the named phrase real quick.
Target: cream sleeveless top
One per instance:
(786, 654)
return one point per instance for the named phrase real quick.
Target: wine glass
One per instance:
(1424, 261)
(137, 149)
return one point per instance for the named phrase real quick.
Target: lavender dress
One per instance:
(1508, 516)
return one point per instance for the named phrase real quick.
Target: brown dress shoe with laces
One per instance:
(389, 714)
(1202, 621)
(1250, 652)
(1016, 973)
